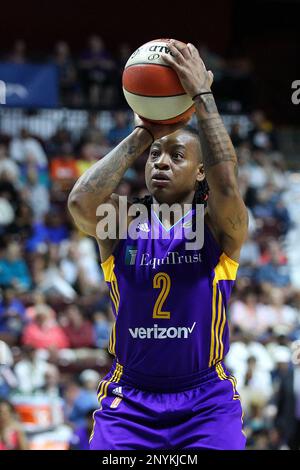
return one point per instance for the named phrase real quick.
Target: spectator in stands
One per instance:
(92, 132)
(52, 385)
(37, 299)
(89, 154)
(78, 330)
(37, 194)
(235, 134)
(256, 426)
(102, 327)
(63, 168)
(12, 436)
(68, 80)
(123, 53)
(121, 128)
(246, 346)
(21, 226)
(287, 400)
(12, 316)
(9, 205)
(80, 261)
(49, 279)
(25, 147)
(18, 53)
(274, 272)
(251, 315)
(13, 269)
(8, 380)
(255, 385)
(249, 257)
(82, 398)
(9, 170)
(44, 332)
(81, 436)
(262, 135)
(69, 264)
(271, 247)
(56, 144)
(11, 302)
(31, 371)
(98, 72)
(283, 316)
(282, 217)
(257, 169)
(51, 231)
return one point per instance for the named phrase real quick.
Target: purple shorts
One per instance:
(208, 416)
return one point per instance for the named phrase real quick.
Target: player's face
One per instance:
(173, 168)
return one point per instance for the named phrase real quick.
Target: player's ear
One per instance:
(200, 172)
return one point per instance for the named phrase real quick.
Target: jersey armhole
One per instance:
(217, 245)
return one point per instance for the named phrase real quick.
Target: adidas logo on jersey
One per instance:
(118, 391)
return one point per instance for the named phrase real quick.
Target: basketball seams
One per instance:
(152, 80)
(148, 63)
(184, 115)
(155, 96)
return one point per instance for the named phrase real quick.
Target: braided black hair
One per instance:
(202, 191)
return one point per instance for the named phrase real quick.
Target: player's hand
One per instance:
(159, 130)
(189, 66)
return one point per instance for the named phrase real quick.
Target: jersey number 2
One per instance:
(161, 281)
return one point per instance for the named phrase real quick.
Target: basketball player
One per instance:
(168, 387)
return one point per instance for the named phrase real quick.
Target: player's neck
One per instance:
(179, 211)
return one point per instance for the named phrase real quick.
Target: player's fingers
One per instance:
(211, 76)
(177, 53)
(186, 53)
(172, 61)
(181, 47)
(193, 50)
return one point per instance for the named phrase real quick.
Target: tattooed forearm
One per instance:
(215, 141)
(104, 176)
(209, 103)
(238, 221)
(226, 207)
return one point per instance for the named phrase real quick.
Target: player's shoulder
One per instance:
(108, 237)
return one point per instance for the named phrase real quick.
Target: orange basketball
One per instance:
(152, 88)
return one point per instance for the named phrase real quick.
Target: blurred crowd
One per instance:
(92, 77)
(55, 314)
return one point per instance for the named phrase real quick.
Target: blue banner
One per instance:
(29, 86)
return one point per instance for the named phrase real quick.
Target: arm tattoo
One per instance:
(104, 176)
(232, 216)
(238, 221)
(215, 141)
(209, 104)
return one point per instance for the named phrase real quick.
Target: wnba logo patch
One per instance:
(116, 402)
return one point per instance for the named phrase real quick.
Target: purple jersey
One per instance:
(170, 306)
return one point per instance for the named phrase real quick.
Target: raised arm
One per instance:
(97, 185)
(226, 209)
